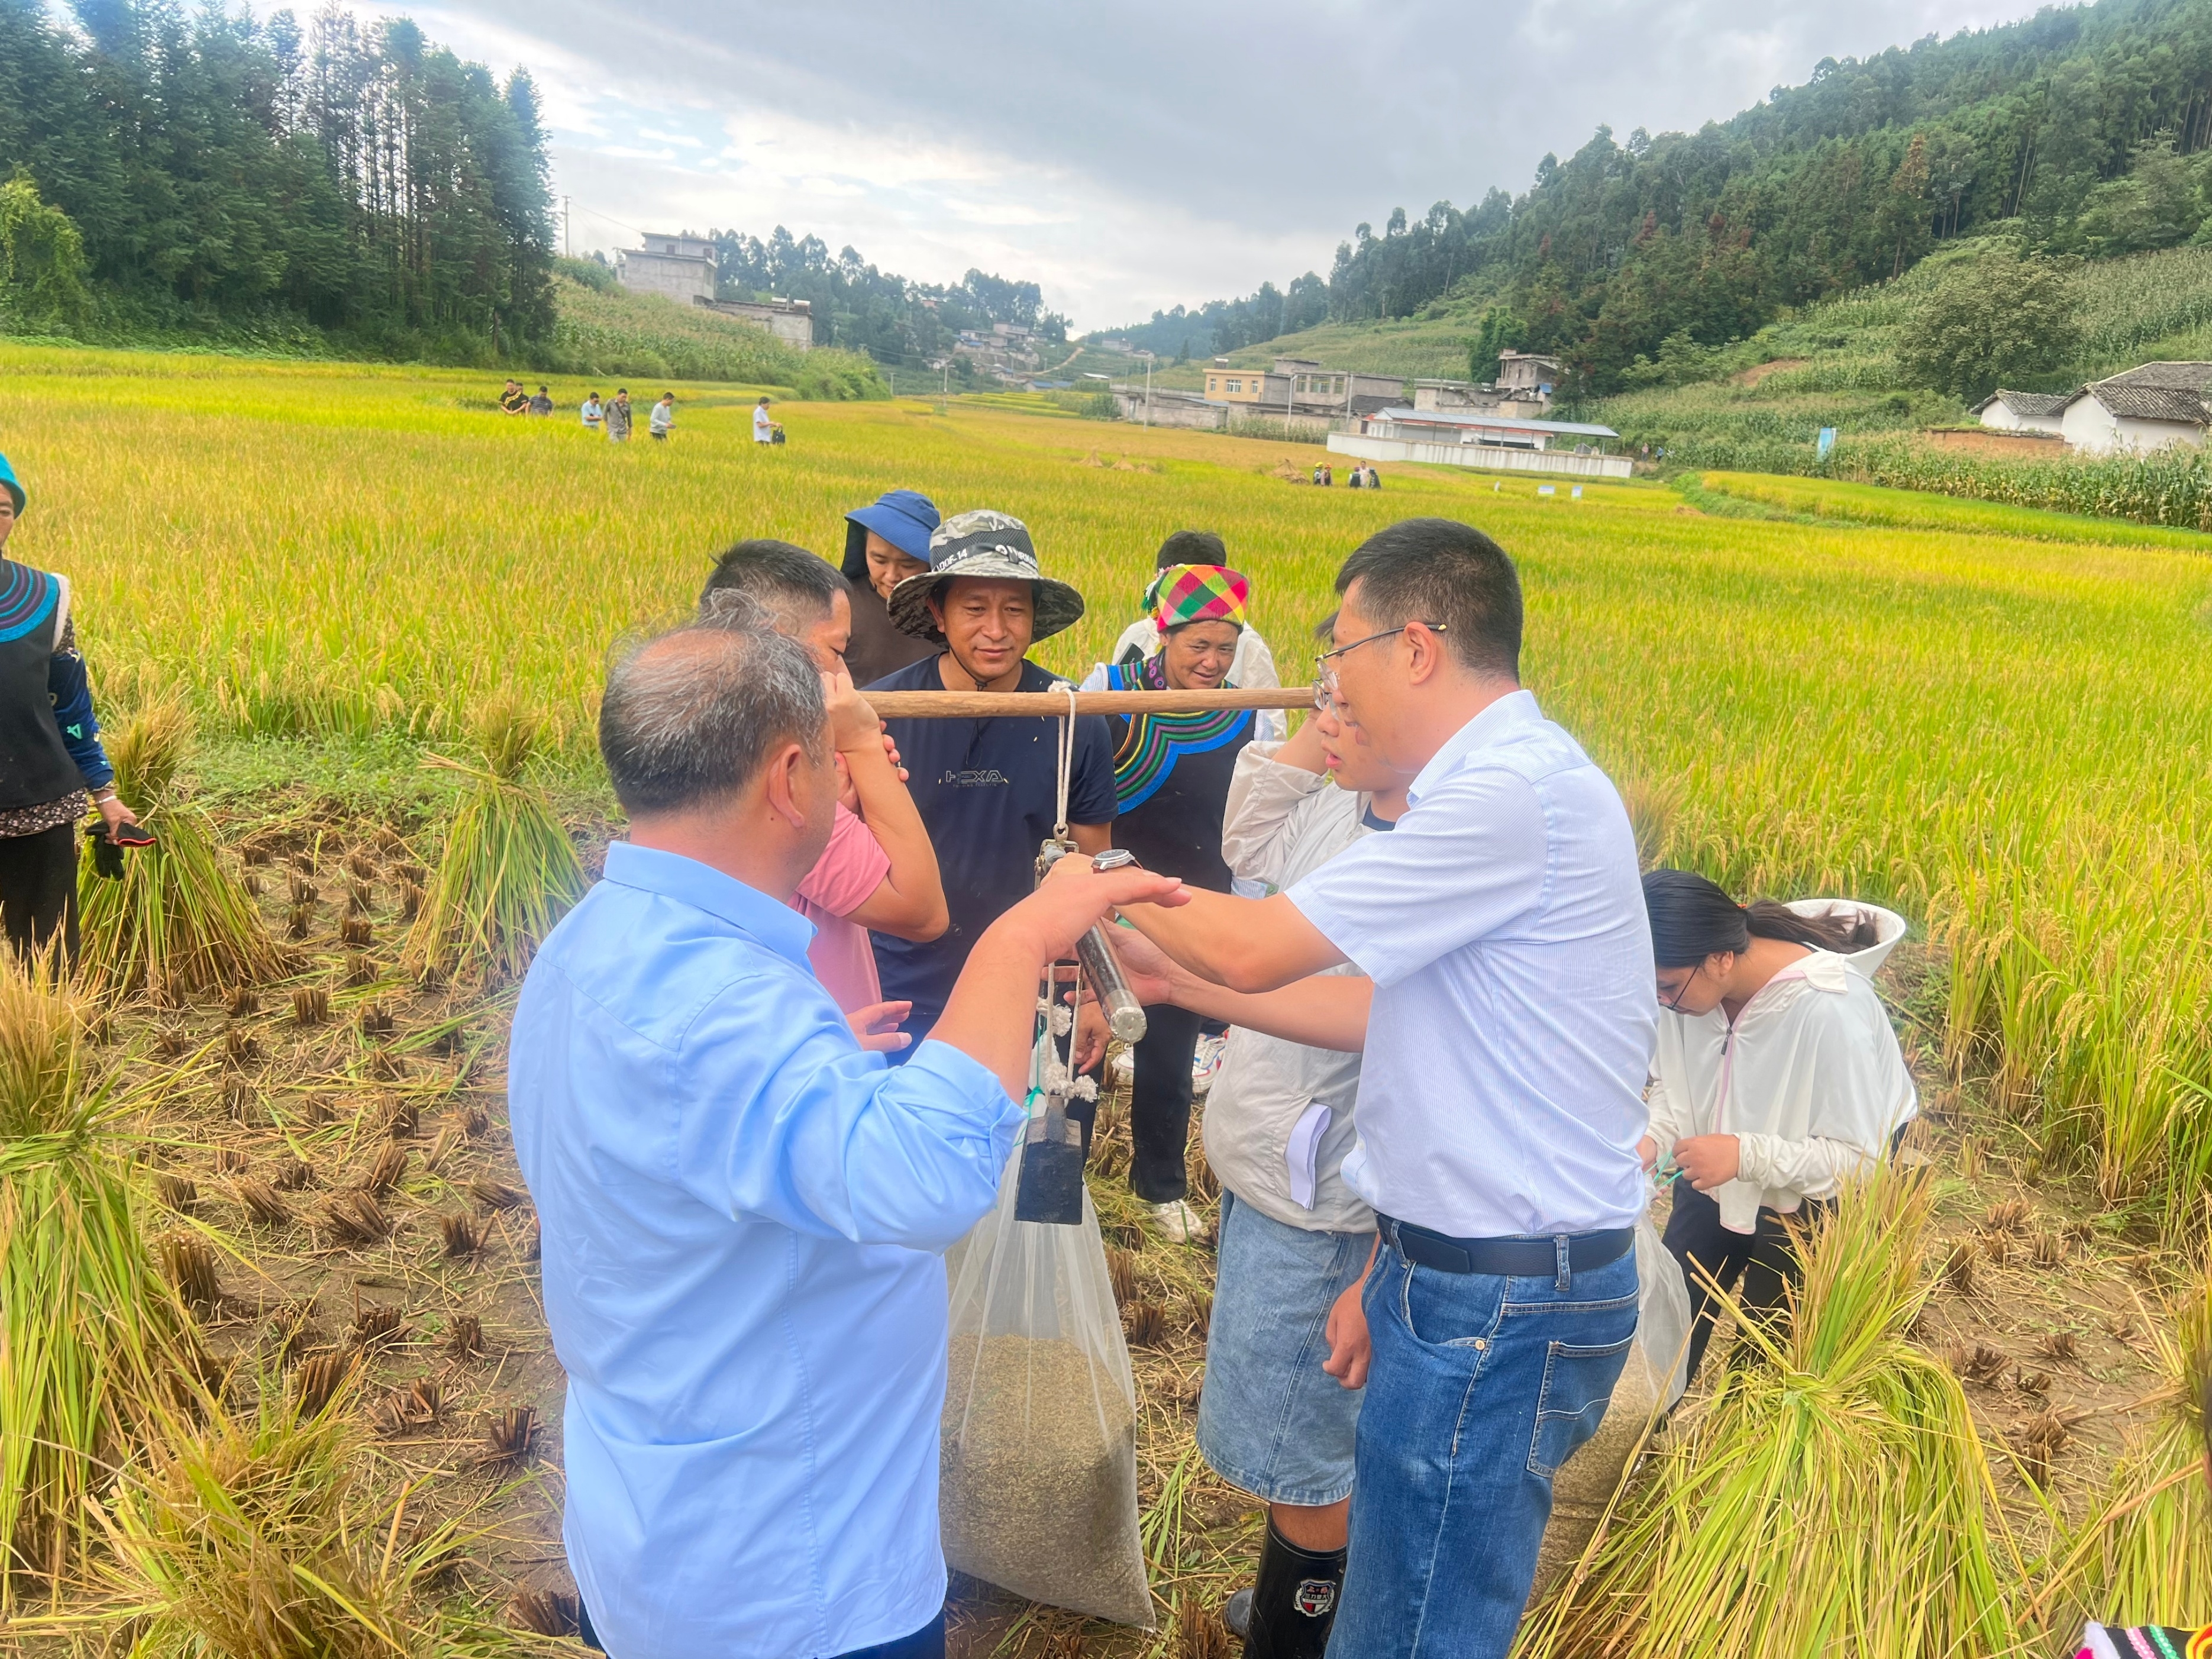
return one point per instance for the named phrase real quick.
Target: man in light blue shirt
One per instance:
(1501, 929)
(743, 1208)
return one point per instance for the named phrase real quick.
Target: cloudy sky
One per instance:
(1126, 156)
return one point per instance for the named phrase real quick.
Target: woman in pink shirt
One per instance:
(879, 871)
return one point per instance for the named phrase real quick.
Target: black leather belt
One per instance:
(1509, 1258)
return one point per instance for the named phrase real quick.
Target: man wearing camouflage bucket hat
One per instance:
(987, 789)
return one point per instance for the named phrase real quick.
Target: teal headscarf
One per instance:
(8, 478)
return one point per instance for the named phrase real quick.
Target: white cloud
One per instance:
(1126, 157)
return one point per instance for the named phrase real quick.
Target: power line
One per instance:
(610, 219)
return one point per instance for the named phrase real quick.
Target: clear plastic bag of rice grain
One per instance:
(1038, 1492)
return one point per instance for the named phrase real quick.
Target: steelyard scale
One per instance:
(1049, 1186)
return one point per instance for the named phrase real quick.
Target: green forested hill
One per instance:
(204, 173)
(2082, 130)
(1759, 403)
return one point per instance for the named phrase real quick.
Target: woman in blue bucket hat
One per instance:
(884, 544)
(52, 770)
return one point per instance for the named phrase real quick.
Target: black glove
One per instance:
(106, 856)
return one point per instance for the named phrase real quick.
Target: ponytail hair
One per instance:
(1691, 919)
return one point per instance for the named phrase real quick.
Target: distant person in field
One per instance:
(53, 768)
(885, 543)
(765, 430)
(1374, 478)
(1253, 664)
(1777, 1078)
(1357, 481)
(515, 400)
(663, 419)
(879, 873)
(1171, 774)
(988, 789)
(592, 415)
(618, 416)
(542, 405)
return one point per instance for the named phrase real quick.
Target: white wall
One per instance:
(2091, 427)
(1483, 457)
(681, 280)
(2003, 420)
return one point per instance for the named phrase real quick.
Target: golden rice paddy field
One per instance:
(1996, 722)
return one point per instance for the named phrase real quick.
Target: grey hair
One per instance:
(689, 716)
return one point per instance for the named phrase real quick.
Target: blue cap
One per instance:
(8, 478)
(904, 518)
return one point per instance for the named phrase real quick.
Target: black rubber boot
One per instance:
(1294, 1603)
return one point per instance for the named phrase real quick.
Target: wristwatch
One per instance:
(1114, 858)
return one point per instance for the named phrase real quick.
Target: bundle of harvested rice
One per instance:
(175, 921)
(250, 1537)
(2144, 1556)
(508, 872)
(1831, 1497)
(90, 1329)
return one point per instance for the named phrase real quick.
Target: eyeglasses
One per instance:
(1325, 690)
(1673, 1003)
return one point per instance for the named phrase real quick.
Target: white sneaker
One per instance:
(1205, 1063)
(1177, 1221)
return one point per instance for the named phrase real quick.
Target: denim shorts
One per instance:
(1270, 1419)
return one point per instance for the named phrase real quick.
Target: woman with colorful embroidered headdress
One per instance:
(1171, 774)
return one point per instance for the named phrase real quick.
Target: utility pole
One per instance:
(1148, 389)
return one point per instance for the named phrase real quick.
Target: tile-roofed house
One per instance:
(2023, 412)
(2141, 410)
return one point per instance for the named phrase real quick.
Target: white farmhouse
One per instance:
(2023, 412)
(2142, 410)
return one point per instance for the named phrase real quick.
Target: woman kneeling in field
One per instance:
(1778, 1077)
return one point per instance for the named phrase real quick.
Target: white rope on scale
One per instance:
(1067, 760)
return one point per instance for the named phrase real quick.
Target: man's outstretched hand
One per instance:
(1073, 898)
(991, 1014)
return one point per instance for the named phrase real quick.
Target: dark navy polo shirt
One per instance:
(988, 793)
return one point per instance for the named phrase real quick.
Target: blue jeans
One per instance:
(1479, 1389)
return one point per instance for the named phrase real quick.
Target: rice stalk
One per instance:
(90, 1331)
(176, 921)
(2143, 1555)
(250, 1537)
(508, 871)
(1832, 1497)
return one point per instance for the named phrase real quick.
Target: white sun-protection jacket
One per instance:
(1278, 1120)
(1809, 1079)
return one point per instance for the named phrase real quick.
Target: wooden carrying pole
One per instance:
(990, 705)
